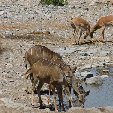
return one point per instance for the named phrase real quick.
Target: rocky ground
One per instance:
(18, 19)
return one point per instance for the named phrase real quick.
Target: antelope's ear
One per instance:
(74, 69)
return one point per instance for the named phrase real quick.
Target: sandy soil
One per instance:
(25, 17)
(13, 98)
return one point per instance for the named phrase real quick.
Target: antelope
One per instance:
(47, 72)
(103, 22)
(38, 51)
(80, 25)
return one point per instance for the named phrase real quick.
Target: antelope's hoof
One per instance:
(43, 106)
(70, 105)
(51, 107)
(64, 109)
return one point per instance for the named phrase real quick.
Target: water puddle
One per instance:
(100, 95)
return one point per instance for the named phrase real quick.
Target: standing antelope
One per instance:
(103, 22)
(38, 51)
(80, 25)
(47, 72)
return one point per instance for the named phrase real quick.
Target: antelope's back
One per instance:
(80, 22)
(105, 20)
(38, 51)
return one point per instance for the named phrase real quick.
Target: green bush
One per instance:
(54, 2)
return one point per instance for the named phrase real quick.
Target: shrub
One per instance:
(54, 2)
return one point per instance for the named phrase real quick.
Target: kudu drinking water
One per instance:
(38, 51)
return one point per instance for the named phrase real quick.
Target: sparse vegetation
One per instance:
(54, 2)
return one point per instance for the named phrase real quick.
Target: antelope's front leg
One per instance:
(32, 94)
(103, 34)
(53, 90)
(68, 93)
(49, 94)
(60, 95)
(38, 91)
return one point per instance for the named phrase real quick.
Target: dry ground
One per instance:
(13, 98)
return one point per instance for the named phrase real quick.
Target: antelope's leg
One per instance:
(60, 95)
(33, 88)
(76, 30)
(87, 33)
(75, 86)
(38, 91)
(53, 90)
(28, 89)
(103, 32)
(68, 93)
(26, 75)
(82, 99)
(80, 34)
(76, 89)
(49, 94)
(25, 85)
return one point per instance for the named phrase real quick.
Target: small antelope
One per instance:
(80, 25)
(103, 22)
(47, 72)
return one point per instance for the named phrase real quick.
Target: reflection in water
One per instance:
(101, 95)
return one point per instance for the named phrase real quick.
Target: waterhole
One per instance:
(100, 95)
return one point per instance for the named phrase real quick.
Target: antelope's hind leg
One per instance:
(32, 93)
(38, 92)
(54, 94)
(60, 95)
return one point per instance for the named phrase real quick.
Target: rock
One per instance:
(97, 80)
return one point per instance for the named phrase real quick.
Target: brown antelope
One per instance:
(103, 22)
(47, 72)
(80, 25)
(38, 51)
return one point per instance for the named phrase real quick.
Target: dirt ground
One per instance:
(13, 98)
